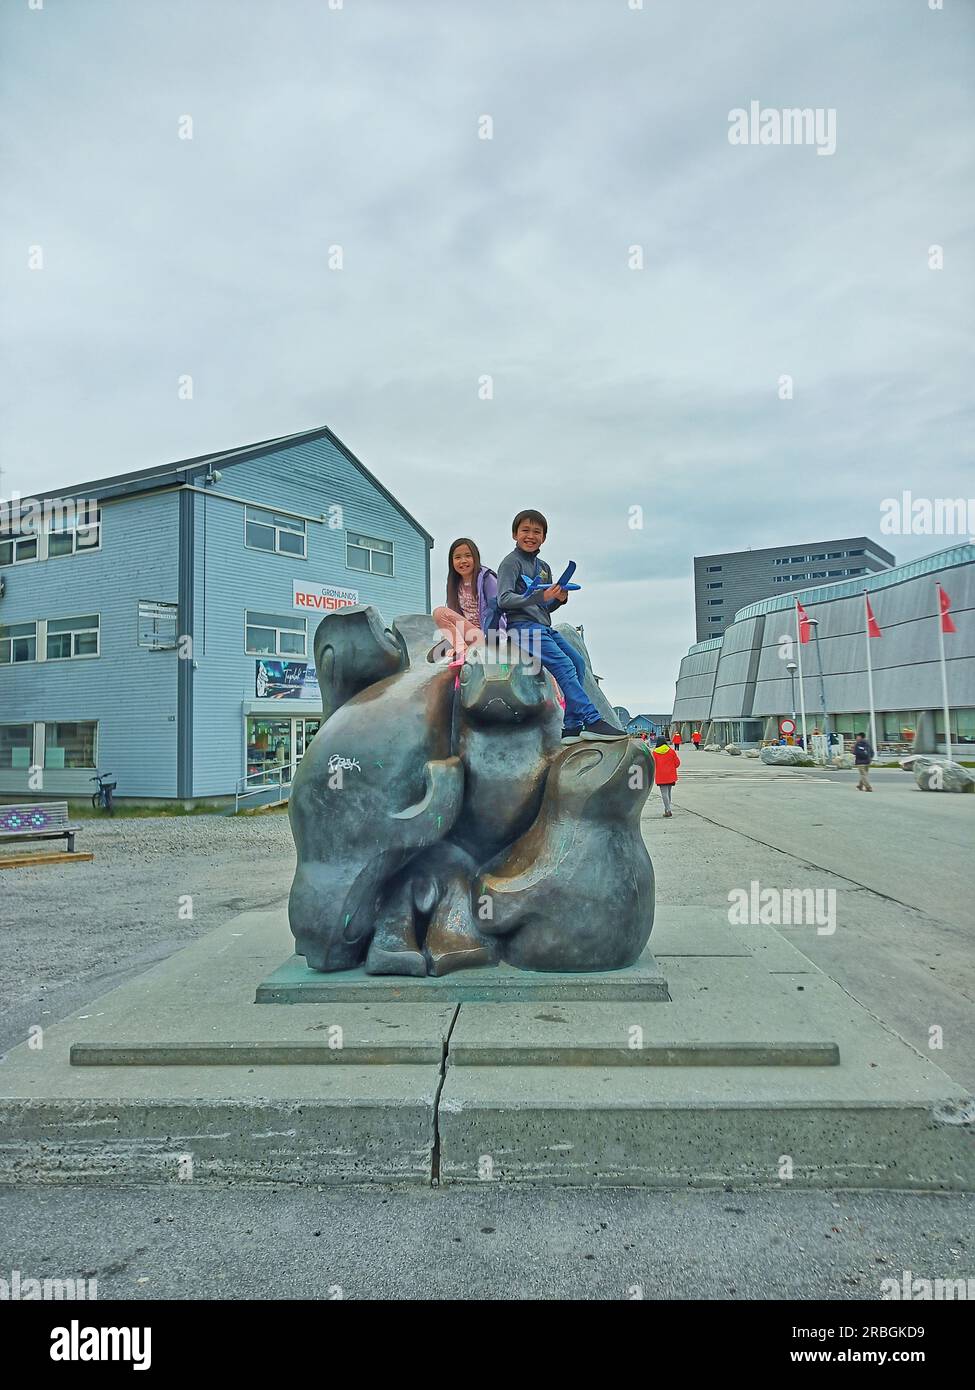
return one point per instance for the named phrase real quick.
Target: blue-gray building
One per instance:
(159, 624)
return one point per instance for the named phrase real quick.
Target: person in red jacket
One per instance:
(675, 739)
(665, 765)
(696, 739)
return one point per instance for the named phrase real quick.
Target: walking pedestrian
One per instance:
(696, 740)
(863, 756)
(665, 765)
(675, 739)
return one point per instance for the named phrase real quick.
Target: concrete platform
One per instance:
(757, 1058)
(294, 983)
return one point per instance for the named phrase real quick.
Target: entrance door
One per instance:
(305, 731)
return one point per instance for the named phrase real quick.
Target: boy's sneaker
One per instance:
(600, 729)
(572, 733)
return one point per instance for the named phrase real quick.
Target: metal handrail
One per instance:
(267, 776)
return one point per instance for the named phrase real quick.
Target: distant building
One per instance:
(164, 633)
(725, 583)
(737, 688)
(647, 724)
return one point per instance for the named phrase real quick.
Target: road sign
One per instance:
(787, 726)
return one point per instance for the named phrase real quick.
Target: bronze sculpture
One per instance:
(442, 823)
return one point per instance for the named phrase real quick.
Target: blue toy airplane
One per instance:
(533, 585)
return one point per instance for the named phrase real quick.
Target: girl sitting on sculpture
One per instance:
(472, 591)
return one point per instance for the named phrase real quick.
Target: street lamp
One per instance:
(814, 623)
(792, 668)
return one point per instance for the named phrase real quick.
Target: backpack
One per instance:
(496, 620)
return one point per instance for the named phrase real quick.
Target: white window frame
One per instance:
(17, 541)
(29, 622)
(299, 625)
(40, 750)
(74, 632)
(156, 646)
(391, 552)
(265, 516)
(72, 531)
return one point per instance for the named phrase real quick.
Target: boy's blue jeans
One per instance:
(566, 665)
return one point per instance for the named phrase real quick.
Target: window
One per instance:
(715, 618)
(718, 585)
(797, 559)
(860, 571)
(71, 637)
(274, 634)
(714, 569)
(819, 574)
(16, 550)
(817, 557)
(16, 745)
(713, 602)
(835, 555)
(157, 625)
(70, 745)
(18, 642)
(367, 553)
(856, 552)
(283, 535)
(73, 528)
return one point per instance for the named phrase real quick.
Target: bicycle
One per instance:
(103, 796)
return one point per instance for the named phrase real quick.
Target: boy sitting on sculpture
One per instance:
(527, 596)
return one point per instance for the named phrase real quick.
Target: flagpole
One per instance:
(802, 696)
(873, 717)
(944, 674)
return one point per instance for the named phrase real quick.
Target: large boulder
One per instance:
(733, 749)
(940, 775)
(712, 748)
(842, 760)
(785, 755)
(751, 752)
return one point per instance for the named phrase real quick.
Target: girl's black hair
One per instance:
(453, 578)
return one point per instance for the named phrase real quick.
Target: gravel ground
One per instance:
(72, 932)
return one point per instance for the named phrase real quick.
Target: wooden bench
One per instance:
(45, 820)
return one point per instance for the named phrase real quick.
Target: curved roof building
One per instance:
(738, 686)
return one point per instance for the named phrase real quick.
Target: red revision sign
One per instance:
(322, 598)
(787, 726)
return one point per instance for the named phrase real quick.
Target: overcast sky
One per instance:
(506, 257)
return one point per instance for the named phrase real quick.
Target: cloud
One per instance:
(509, 257)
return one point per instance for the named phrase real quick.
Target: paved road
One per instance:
(488, 1243)
(900, 862)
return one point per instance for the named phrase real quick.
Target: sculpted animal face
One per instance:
(494, 691)
(602, 779)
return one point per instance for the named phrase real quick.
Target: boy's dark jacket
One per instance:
(523, 609)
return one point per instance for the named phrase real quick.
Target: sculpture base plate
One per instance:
(294, 983)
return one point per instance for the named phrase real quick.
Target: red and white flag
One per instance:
(805, 631)
(944, 602)
(873, 627)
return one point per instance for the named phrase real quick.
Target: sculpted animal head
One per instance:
(353, 649)
(605, 781)
(498, 691)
